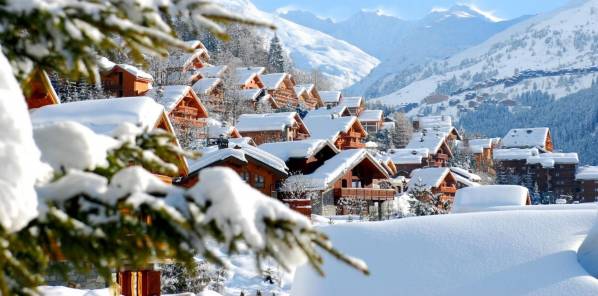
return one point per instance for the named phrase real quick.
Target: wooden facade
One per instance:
(38, 90)
(560, 180)
(119, 82)
(139, 282)
(189, 111)
(290, 132)
(283, 91)
(352, 138)
(587, 190)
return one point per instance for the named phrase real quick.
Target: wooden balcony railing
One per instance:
(365, 193)
(448, 189)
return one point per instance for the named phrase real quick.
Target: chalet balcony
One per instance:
(365, 193)
(448, 189)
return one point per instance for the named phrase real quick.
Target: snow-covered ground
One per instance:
(522, 251)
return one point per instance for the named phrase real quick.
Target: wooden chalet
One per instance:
(587, 184)
(309, 95)
(372, 120)
(511, 164)
(214, 71)
(124, 80)
(258, 99)
(272, 127)
(184, 108)
(437, 145)
(105, 116)
(438, 180)
(482, 150)
(344, 132)
(302, 157)
(249, 77)
(538, 137)
(331, 98)
(258, 168)
(465, 178)
(407, 160)
(281, 86)
(554, 172)
(38, 90)
(218, 131)
(356, 105)
(437, 124)
(351, 175)
(337, 111)
(211, 93)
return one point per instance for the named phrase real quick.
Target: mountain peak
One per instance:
(461, 11)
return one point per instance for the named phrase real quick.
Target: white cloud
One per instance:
(438, 9)
(487, 13)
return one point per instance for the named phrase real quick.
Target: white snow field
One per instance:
(527, 251)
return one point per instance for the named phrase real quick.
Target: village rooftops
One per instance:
(336, 167)
(427, 177)
(169, 96)
(213, 155)
(352, 102)
(526, 138)
(330, 96)
(371, 115)
(514, 154)
(245, 74)
(184, 60)
(299, 90)
(309, 87)
(105, 115)
(328, 128)
(134, 71)
(297, 149)
(274, 80)
(478, 145)
(216, 129)
(548, 160)
(268, 122)
(435, 121)
(213, 71)
(206, 85)
(337, 111)
(466, 174)
(431, 141)
(408, 156)
(487, 197)
(587, 173)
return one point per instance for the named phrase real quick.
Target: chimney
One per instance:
(222, 142)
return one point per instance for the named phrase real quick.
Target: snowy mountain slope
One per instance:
(564, 39)
(437, 36)
(310, 49)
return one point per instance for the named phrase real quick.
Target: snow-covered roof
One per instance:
(168, 96)
(245, 74)
(478, 145)
(465, 181)
(183, 60)
(206, 85)
(371, 115)
(297, 149)
(300, 90)
(352, 102)
(135, 71)
(195, 44)
(102, 116)
(267, 121)
(328, 128)
(587, 173)
(241, 152)
(183, 77)
(213, 71)
(105, 64)
(330, 96)
(548, 160)
(336, 111)
(408, 156)
(336, 167)
(217, 128)
(526, 138)
(514, 153)
(388, 125)
(435, 121)
(480, 198)
(309, 87)
(273, 80)
(494, 253)
(431, 141)
(428, 177)
(466, 174)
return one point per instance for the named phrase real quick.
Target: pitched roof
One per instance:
(183, 59)
(242, 152)
(526, 138)
(336, 111)
(308, 86)
(336, 167)
(478, 145)
(251, 94)
(587, 173)
(273, 80)
(217, 128)
(352, 102)
(408, 156)
(135, 71)
(548, 160)
(168, 96)
(371, 115)
(435, 121)
(213, 71)
(297, 149)
(431, 141)
(103, 116)
(183, 77)
(514, 153)
(428, 177)
(457, 171)
(268, 121)
(328, 128)
(330, 96)
(300, 90)
(206, 85)
(244, 74)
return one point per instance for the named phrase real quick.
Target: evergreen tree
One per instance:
(276, 56)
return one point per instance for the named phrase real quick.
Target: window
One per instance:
(245, 176)
(260, 182)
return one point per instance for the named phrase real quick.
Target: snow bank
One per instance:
(480, 198)
(19, 156)
(62, 291)
(492, 253)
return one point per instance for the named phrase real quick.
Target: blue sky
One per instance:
(409, 9)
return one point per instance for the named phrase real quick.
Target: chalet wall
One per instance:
(587, 190)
